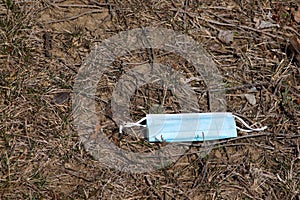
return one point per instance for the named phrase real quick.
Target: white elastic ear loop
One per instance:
(131, 124)
(245, 124)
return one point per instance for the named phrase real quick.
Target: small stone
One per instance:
(251, 99)
(253, 89)
(225, 36)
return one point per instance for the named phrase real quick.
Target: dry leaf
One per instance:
(218, 154)
(295, 42)
(298, 100)
(294, 49)
(47, 44)
(260, 24)
(266, 24)
(296, 14)
(61, 97)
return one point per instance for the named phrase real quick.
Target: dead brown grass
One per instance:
(42, 45)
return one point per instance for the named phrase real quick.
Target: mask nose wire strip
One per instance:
(245, 124)
(129, 124)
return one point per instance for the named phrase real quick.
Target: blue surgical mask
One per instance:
(189, 127)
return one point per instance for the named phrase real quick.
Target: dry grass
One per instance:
(42, 45)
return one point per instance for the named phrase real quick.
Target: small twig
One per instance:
(100, 4)
(216, 22)
(186, 3)
(262, 32)
(75, 17)
(291, 29)
(235, 88)
(76, 6)
(243, 27)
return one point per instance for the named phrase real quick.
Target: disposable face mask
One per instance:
(189, 127)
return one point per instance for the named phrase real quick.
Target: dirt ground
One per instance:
(255, 45)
